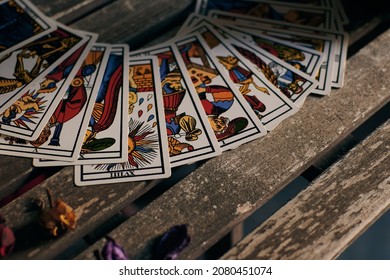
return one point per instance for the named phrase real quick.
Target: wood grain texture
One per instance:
(135, 22)
(331, 213)
(13, 173)
(70, 10)
(227, 189)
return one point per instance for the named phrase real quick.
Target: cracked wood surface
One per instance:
(227, 189)
(329, 215)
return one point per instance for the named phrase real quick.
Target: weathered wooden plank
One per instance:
(70, 10)
(227, 189)
(331, 213)
(13, 172)
(135, 22)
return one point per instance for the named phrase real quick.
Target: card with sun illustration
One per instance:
(190, 136)
(148, 156)
(26, 118)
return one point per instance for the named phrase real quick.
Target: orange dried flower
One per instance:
(59, 218)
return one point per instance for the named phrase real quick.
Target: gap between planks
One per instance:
(332, 212)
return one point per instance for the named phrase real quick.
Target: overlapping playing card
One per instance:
(234, 71)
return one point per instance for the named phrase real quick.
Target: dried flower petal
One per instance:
(172, 243)
(113, 251)
(58, 219)
(7, 240)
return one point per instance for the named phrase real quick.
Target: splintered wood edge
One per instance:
(227, 189)
(332, 212)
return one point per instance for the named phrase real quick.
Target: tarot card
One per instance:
(322, 3)
(290, 81)
(63, 134)
(190, 21)
(313, 53)
(317, 43)
(105, 140)
(190, 137)
(230, 116)
(148, 156)
(23, 67)
(279, 11)
(26, 118)
(305, 59)
(340, 11)
(20, 23)
(263, 96)
(340, 45)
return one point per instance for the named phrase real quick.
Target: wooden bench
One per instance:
(218, 195)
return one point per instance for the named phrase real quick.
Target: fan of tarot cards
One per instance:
(233, 72)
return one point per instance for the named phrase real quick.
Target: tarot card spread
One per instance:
(279, 11)
(148, 156)
(224, 80)
(281, 41)
(339, 47)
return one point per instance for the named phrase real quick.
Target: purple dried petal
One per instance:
(113, 251)
(7, 240)
(172, 243)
